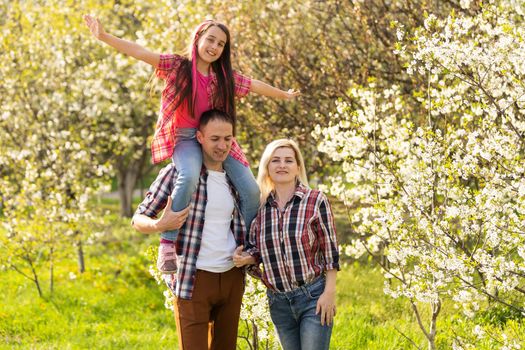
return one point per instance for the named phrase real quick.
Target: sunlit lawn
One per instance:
(115, 307)
(116, 304)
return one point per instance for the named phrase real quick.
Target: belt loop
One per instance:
(304, 289)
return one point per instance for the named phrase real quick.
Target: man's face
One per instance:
(216, 139)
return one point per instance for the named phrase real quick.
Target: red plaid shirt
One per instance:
(164, 138)
(188, 241)
(296, 245)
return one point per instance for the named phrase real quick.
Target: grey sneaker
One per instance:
(166, 260)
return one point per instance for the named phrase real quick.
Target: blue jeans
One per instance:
(293, 314)
(187, 157)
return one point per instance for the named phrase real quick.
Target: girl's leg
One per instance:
(187, 157)
(244, 181)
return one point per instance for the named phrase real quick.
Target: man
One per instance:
(208, 287)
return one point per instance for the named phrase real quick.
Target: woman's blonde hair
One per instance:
(264, 181)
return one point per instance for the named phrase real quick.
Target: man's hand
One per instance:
(171, 220)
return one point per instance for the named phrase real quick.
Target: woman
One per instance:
(294, 237)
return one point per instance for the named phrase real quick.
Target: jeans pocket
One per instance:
(271, 299)
(315, 290)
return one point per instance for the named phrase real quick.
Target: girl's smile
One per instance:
(211, 44)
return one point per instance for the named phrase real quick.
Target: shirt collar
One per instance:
(300, 191)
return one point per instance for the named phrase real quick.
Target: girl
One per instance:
(294, 237)
(200, 80)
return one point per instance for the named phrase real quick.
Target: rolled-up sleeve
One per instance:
(251, 241)
(327, 235)
(167, 64)
(251, 248)
(158, 193)
(242, 84)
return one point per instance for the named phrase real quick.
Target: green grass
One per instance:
(103, 308)
(366, 316)
(113, 305)
(116, 304)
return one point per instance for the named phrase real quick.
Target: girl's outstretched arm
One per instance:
(264, 89)
(126, 47)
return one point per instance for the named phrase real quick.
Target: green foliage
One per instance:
(116, 304)
(435, 170)
(74, 111)
(498, 315)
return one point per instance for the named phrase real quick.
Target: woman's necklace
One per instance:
(281, 204)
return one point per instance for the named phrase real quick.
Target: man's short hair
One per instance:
(214, 114)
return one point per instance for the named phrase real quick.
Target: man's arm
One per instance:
(169, 220)
(157, 200)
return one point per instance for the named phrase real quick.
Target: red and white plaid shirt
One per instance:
(164, 138)
(295, 245)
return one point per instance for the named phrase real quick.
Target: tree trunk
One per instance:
(80, 253)
(129, 168)
(255, 338)
(127, 177)
(51, 271)
(37, 284)
(436, 308)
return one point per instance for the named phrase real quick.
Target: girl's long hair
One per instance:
(264, 181)
(186, 81)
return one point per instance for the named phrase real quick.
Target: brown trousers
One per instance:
(211, 318)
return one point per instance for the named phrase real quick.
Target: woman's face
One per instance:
(283, 168)
(211, 44)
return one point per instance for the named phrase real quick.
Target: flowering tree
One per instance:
(437, 173)
(49, 159)
(319, 47)
(259, 329)
(72, 115)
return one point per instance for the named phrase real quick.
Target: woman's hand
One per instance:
(241, 258)
(326, 307)
(94, 26)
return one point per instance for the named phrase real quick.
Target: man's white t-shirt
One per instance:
(218, 243)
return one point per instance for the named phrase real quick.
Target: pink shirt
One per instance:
(184, 118)
(170, 118)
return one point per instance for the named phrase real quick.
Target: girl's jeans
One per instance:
(187, 157)
(293, 314)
